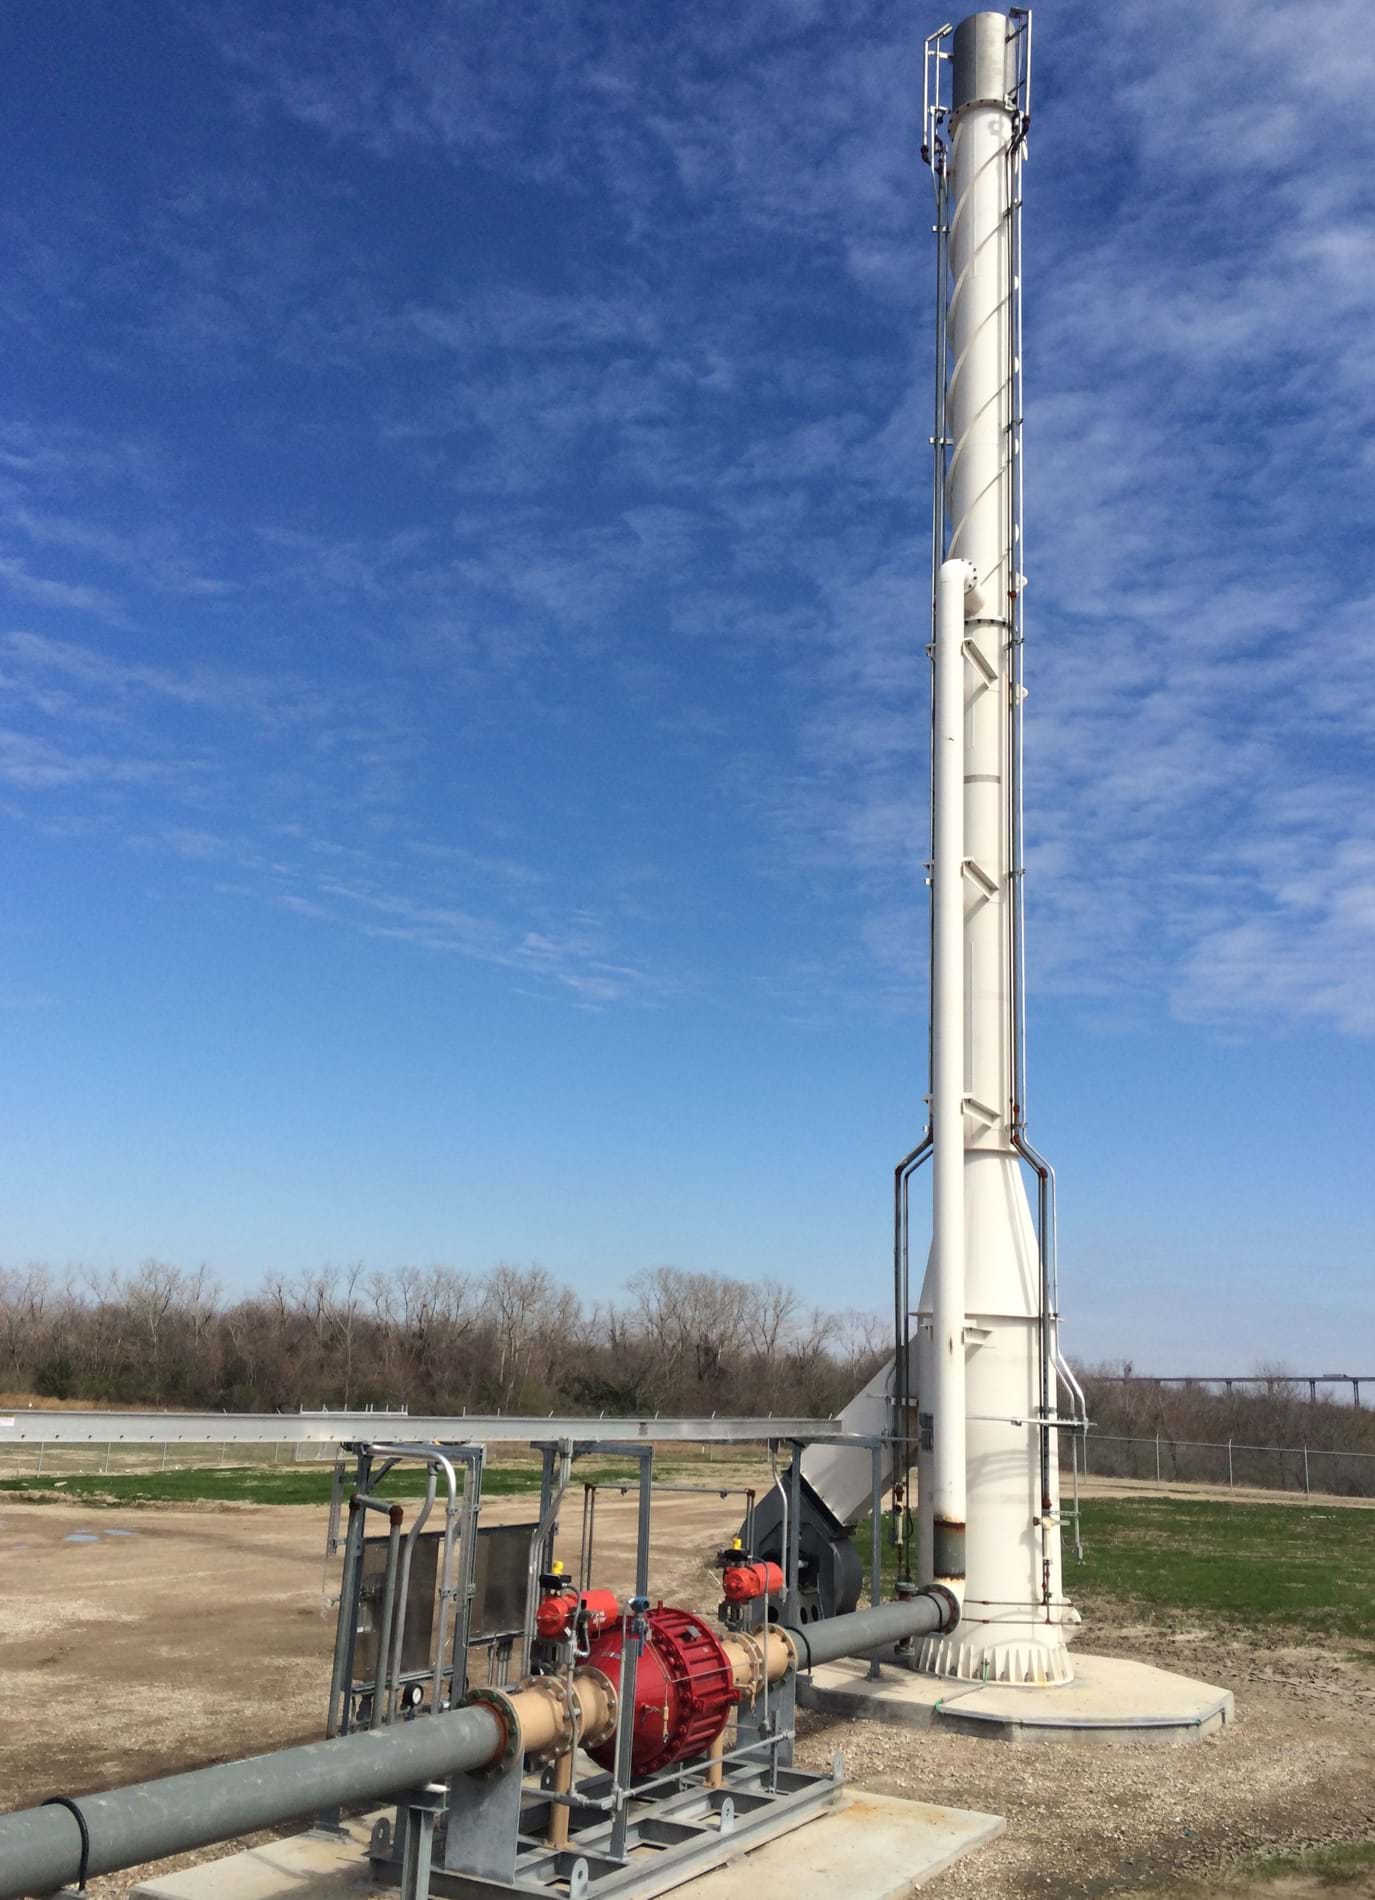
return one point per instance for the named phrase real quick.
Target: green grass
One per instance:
(1329, 1869)
(291, 1484)
(1337, 1866)
(1255, 1564)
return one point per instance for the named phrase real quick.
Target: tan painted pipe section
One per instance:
(558, 1812)
(546, 1721)
(770, 1653)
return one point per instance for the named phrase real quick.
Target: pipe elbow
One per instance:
(963, 576)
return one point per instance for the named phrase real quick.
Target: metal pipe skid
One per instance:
(41, 1848)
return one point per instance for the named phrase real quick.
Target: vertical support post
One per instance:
(548, 1453)
(388, 1612)
(561, 1782)
(792, 1558)
(474, 1461)
(1157, 1457)
(646, 1457)
(343, 1630)
(1229, 1464)
(42, 1443)
(876, 1543)
(106, 1466)
(632, 1642)
(362, 1482)
(423, 1807)
(543, 1540)
(1307, 1488)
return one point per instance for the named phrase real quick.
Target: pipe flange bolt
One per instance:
(607, 1688)
(510, 1726)
(554, 1689)
(754, 1649)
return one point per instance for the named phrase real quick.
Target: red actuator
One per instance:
(558, 1612)
(742, 1583)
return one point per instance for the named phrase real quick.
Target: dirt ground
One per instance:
(138, 1642)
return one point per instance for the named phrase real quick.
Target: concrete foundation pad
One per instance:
(1109, 1701)
(305, 1867)
(874, 1844)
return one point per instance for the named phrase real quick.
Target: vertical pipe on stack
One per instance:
(946, 1398)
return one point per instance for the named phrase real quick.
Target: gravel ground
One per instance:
(1296, 1770)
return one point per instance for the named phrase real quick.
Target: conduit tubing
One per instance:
(40, 1848)
(946, 1400)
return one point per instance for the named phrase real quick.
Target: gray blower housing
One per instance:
(830, 1574)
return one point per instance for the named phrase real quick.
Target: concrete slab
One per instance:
(874, 1844)
(1110, 1700)
(305, 1867)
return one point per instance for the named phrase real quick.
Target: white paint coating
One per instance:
(943, 1490)
(1016, 1619)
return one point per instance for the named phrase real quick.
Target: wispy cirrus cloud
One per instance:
(667, 475)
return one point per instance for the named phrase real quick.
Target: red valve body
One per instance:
(742, 1583)
(684, 1690)
(557, 1612)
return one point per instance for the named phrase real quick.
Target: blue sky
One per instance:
(462, 701)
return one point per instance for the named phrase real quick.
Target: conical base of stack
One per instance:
(973, 1660)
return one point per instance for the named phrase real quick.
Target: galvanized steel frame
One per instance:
(342, 1428)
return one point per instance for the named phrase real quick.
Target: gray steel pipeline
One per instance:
(926, 1614)
(40, 1848)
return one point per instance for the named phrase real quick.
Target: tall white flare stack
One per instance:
(1016, 1620)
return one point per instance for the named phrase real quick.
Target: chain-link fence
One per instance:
(1159, 1459)
(41, 1460)
(1164, 1460)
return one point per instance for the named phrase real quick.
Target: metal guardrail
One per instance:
(1162, 1459)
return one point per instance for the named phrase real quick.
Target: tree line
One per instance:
(515, 1339)
(431, 1339)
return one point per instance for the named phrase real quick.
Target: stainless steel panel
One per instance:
(417, 1651)
(502, 1578)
